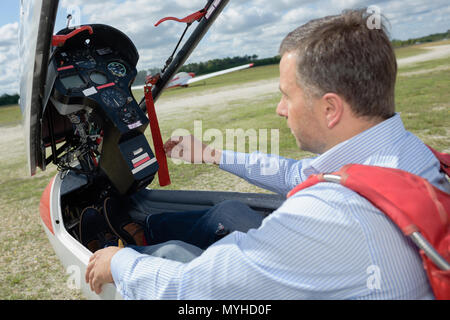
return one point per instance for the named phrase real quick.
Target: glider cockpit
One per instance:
(89, 106)
(91, 122)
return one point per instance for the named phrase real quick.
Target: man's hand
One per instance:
(98, 271)
(192, 150)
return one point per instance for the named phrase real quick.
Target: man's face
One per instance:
(301, 112)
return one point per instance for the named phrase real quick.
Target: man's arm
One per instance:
(315, 252)
(270, 172)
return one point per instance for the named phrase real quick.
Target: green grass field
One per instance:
(28, 267)
(409, 51)
(10, 116)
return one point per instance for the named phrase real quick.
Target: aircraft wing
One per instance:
(184, 78)
(180, 79)
(138, 87)
(218, 73)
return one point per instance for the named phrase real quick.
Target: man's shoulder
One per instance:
(328, 201)
(412, 155)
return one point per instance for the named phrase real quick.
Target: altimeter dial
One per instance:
(113, 98)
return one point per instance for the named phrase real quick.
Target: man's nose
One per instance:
(282, 109)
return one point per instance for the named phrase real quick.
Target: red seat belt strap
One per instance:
(444, 159)
(163, 172)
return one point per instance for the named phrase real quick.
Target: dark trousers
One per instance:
(201, 228)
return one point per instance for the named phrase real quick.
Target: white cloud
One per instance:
(9, 58)
(8, 34)
(192, 4)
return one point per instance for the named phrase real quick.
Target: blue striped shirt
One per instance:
(325, 242)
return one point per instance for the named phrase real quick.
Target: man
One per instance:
(337, 79)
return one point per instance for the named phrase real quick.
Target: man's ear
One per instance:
(333, 109)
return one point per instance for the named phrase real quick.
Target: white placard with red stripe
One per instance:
(141, 162)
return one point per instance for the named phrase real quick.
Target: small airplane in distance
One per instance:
(183, 79)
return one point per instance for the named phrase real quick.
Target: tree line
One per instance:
(430, 38)
(213, 65)
(6, 99)
(226, 63)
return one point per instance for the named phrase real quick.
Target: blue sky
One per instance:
(9, 11)
(245, 27)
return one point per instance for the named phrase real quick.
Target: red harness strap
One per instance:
(163, 172)
(444, 159)
(189, 19)
(419, 209)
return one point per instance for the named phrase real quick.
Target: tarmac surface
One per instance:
(434, 52)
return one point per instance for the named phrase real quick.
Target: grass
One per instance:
(424, 100)
(426, 65)
(409, 51)
(29, 268)
(10, 115)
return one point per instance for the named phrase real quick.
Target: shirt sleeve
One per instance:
(270, 172)
(142, 277)
(307, 255)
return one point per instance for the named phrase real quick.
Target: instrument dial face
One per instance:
(98, 77)
(117, 69)
(113, 98)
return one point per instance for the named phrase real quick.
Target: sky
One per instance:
(245, 26)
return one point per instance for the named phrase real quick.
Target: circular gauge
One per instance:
(113, 98)
(117, 69)
(98, 77)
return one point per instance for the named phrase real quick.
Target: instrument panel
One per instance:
(89, 106)
(102, 79)
(92, 68)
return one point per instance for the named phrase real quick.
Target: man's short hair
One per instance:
(341, 54)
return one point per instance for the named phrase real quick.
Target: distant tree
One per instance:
(218, 64)
(7, 99)
(153, 71)
(267, 61)
(140, 78)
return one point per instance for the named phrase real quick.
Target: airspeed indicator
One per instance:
(117, 69)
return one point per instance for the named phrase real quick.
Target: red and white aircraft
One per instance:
(183, 79)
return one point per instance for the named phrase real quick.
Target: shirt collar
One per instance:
(358, 148)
